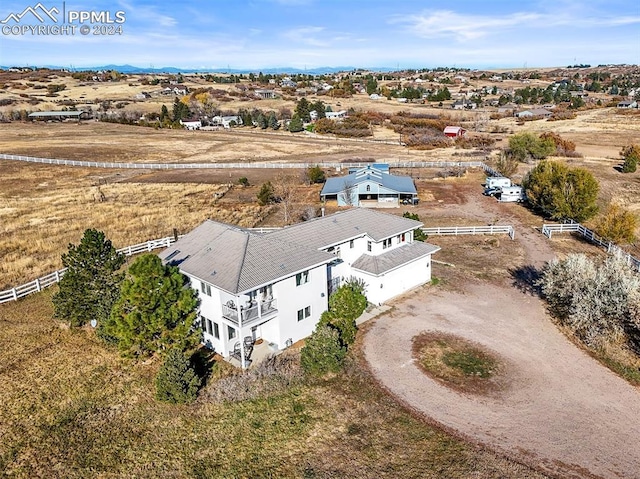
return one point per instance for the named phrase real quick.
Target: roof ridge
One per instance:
(247, 237)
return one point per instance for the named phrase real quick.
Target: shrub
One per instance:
(506, 165)
(526, 146)
(316, 174)
(563, 147)
(596, 302)
(617, 224)
(296, 125)
(176, 381)
(418, 234)
(271, 376)
(562, 192)
(323, 352)
(243, 181)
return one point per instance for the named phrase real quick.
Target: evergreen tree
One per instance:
(164, 113)
(302, 110)
(177, 381)
(266, 194)
(371, 86)
(89, 286)
(273, 121)
(631, 156)
(156, 310)
(295, 124)
(180, 110)
(323, 353)
(320, 109)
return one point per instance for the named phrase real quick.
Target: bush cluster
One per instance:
(598, 302)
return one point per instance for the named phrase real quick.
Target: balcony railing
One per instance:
(262, 310)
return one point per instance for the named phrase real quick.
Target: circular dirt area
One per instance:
(458, 363)
(562, 411)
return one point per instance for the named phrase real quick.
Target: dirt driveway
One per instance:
(562, 411)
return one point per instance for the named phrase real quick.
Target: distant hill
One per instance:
(174, 70)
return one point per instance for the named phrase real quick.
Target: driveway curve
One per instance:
(562, 411)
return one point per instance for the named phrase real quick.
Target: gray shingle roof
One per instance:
(400, 184)
(336, 228)
(236, 260)
(394, 258)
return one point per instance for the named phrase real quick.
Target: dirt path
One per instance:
(562, 411)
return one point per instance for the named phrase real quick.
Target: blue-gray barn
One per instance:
(371, 186)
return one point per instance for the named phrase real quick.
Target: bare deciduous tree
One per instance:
(285, 192)
(349, 194)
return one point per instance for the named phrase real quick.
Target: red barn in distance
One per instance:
(454, 131)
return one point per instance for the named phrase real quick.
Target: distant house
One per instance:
(375, 96)
(371, 186)
(226, 121)
(288, 83)
(275, 286)
(174, 90)
(454, 131)
(534, 113)
(507, 108)
(191, 124)
(627, 104)
(336, 115)
(142, 95)
(463, 105)
(265, 94)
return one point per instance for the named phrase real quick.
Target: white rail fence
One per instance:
(244, 165)
(471, 230)
(38, 284)
(586, 233)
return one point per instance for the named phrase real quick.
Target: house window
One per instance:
(231, 332)
(302, 278)
(338, 252)
(368, 245)
(205, 288)
(205, 324)
(368, 187)
(352, 244)
(386, 243)
(402, 237)
(304, 313)
(216, 331)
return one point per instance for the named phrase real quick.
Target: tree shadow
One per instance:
(526, 278)
(203, 360)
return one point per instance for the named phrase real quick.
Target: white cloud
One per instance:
(467, 27)
(312, 36)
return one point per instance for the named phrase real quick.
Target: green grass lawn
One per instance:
(70, 408)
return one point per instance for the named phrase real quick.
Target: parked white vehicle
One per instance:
(497, 182)
(512, 194)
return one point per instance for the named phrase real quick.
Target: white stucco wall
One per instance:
(387, 286)
(292, 298)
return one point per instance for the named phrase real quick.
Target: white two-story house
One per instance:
(275, 286)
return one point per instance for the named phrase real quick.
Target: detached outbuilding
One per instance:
(454, 131)
(372, 186)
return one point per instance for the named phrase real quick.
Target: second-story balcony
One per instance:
(259, 312)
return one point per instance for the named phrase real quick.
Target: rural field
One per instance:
(73, 408)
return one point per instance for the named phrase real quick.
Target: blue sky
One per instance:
(257, 34)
